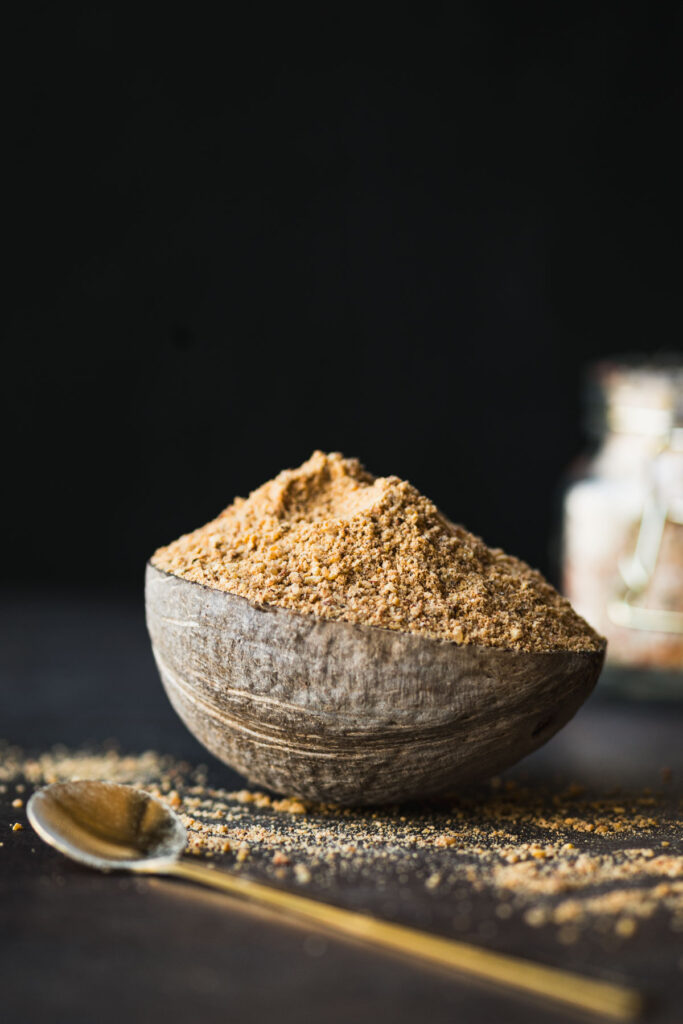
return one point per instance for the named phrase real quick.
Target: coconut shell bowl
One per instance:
(338, 712)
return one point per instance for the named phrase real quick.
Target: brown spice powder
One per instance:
(331, 540)
(556, 858)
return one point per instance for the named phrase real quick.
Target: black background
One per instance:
(342, 227)
(237, 233)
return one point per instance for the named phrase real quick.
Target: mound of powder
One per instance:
(331, 540)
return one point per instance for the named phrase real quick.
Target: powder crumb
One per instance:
(625, 927)
(536, 916)
(17, 803)
(289, 806)
(483, 845)
(17, 826)
(331, 540)
(302, 874)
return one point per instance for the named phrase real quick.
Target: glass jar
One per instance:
(623, 518)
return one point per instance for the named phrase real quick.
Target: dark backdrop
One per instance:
(345, 227)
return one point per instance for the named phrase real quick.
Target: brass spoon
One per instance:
(112, 827)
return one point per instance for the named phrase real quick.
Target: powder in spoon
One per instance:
(329, 539)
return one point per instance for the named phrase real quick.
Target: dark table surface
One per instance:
(77, 946)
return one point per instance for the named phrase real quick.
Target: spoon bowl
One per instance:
(107, 826)
(352, 714)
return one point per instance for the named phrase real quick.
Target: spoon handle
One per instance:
(601, 997)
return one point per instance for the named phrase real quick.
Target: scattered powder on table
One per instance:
(558, 858)
(331, 540)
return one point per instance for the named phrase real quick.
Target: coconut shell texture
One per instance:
(333, 711)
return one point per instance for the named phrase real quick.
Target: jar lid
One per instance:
(635, 396)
